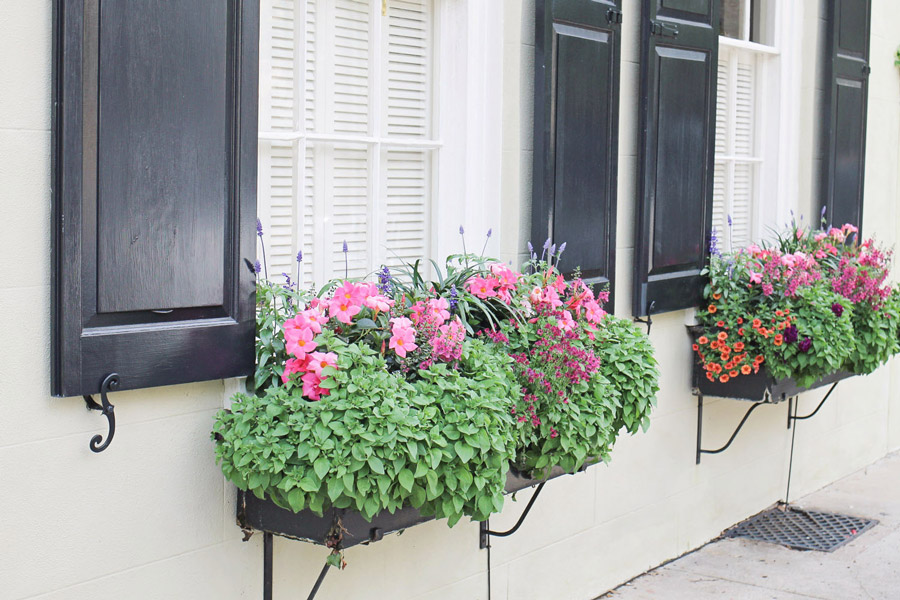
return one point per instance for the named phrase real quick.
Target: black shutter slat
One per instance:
(679, 62)
(154, 199)
(844, 105)
(577, 50)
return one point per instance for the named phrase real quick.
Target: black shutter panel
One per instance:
(679, 62)
(154, 191)
(577, 45)
(843, 119)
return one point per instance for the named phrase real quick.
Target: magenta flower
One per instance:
(320, 360)
(837, 308)
(300, 342)
(805, 344)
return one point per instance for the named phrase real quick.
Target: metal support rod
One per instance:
(733, 435)
(790, 410)
(699, 424)
(792, 414)
(484, 540)
(267, 566)
(813, 413)
(321, 578)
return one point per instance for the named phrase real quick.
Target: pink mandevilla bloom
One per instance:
(379, 303)
(300, 342)
(403, 341)
(320, 360)
(438, 310)
(293, 365)
(593, 312)
(343, 311)
(483, 287)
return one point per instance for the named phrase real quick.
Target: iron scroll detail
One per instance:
(110, 384)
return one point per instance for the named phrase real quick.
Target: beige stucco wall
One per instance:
(152, 517)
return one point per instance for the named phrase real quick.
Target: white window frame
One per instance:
(465, 134)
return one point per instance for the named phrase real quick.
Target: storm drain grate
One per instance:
(802, 529)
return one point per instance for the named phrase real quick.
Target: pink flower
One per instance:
(350, 293)
(300, 342)
(550, 296)
(343, 311)
(403, 341)
(438, 310)
(565, 322)
(447, 343)
(483, 287)
(593, 312)
(379, 303)
(313, 319)
(400, 323)
(755, 277)
(320, 360)
(293, 365)
(820, 236)
(536, 295)
(311, 387)
(418, 311)
(799, 233)
(847, 229)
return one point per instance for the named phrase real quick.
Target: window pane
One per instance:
(732, 18)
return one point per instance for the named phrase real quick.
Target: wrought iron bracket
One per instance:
(649, 320)
(793, 416)
(700, 449)
(110, 384)
(484, 533)
(268, 551)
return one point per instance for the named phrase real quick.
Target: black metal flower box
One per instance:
(757, 387)
(268, 517)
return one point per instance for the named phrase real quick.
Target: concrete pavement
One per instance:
(867, 568)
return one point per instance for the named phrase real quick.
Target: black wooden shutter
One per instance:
(576, 102)
(679, 63)
(154, 191)
(844, 105)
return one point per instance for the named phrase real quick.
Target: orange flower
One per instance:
(716, 296)
(695, 347)
(781, 326)
(779, 339)
(740, 320)
(745, 370)
(756, 368)
(787, 311)
(720, 323)
(715, 345)
(703, 339)
(723, 378)
(712, 308)
(710, 376)
(779, 313)
(759, 358)
(717, 369)
(733, 373)
(739, 346)
(756, 323)
(709, 367)
(741, 331)
(764, 332)
(722, 336)
(724, 356)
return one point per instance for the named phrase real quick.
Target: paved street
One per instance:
(866, 568)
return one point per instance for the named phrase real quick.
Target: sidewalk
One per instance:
(866, 568)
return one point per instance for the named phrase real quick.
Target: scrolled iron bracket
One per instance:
(110, 384)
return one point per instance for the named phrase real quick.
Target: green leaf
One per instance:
(376, 465)
(464, 451)
(406, 479)
(321, 466)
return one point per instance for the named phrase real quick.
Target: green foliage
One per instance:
(441, 443)
(876, 334)
(829, 334)
(628, 363)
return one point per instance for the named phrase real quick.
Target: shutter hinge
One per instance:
(663, 29)
(866, 69)
(614, 16)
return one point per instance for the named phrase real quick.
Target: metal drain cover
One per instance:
(802, 529)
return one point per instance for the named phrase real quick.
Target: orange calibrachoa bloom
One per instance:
(756, 323)
(738, 346)
(712, 308)
(779, 339)
(703, 340)
(745, 369)
(717, 296)
(722, 336)
(723, 378)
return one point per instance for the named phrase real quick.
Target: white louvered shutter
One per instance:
(341, 87)
(735, 186)
(407, 110)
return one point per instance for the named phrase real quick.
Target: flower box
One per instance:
(266, 516)
(757, 387)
